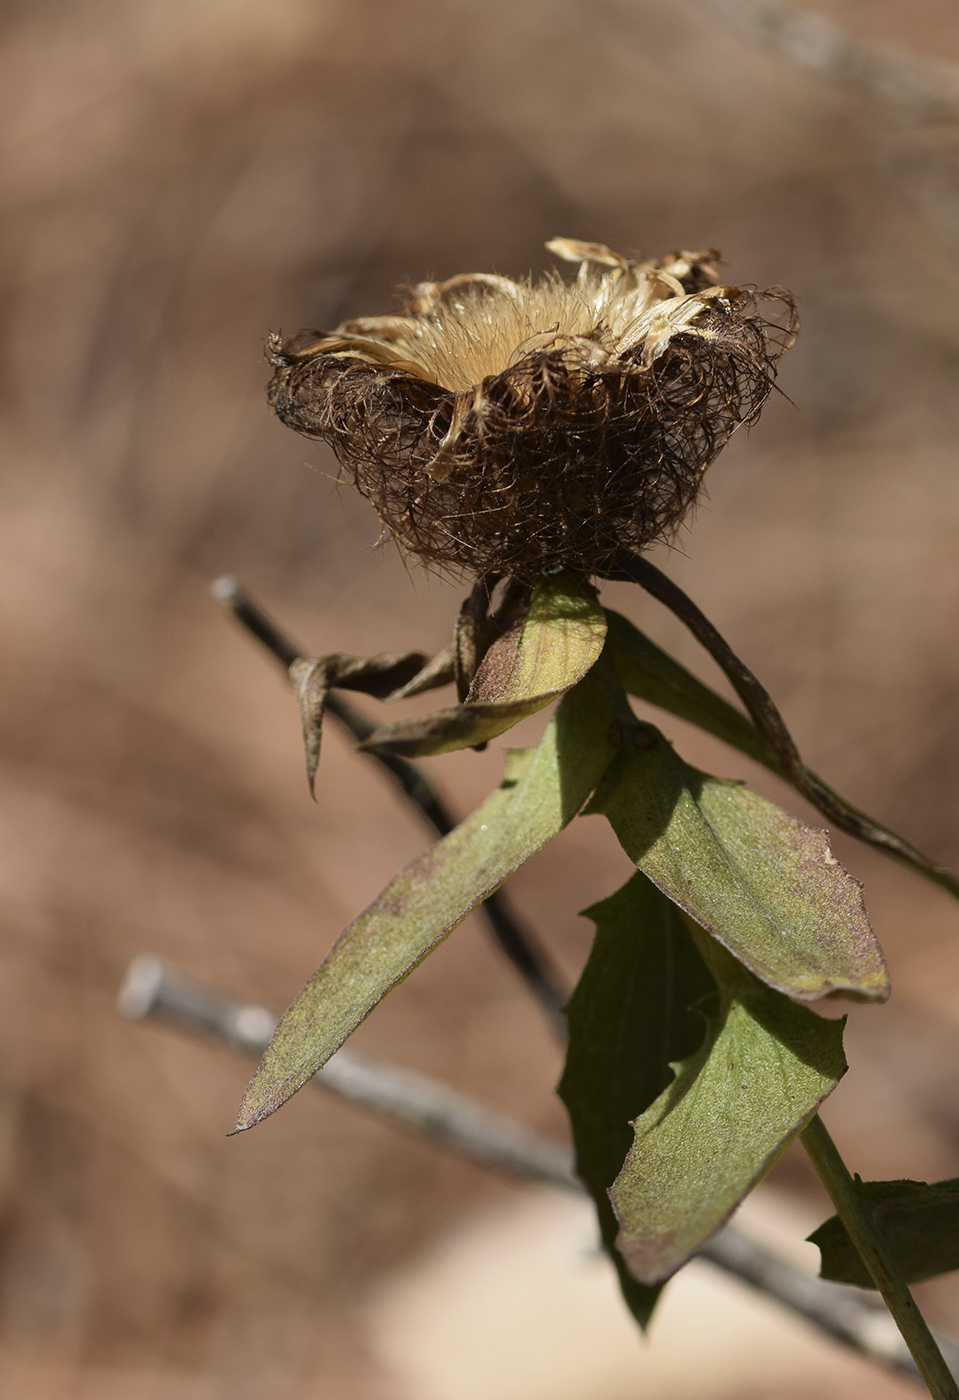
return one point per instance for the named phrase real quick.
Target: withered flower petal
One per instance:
(519, 428)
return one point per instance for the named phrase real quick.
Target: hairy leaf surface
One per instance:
(762, 882)
(762, 1072)
(543, 790)
(647, 672)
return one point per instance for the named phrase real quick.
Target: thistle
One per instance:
(520, 428)
(537, 436)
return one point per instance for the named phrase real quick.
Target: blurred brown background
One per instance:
(181, 178)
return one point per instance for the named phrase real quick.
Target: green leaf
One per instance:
(540, 794)
(918, 1221)
(628, 1019)
(553, 647)
(763, 883)
(762, 1072)
(557, 643)
(650, 674)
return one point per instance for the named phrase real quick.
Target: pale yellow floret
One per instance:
(472, 327)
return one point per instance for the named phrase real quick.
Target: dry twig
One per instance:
(153, 990)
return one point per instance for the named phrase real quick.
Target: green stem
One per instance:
(874, 1252)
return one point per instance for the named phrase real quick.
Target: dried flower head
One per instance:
(517, 428)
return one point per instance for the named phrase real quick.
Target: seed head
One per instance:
(519, 428)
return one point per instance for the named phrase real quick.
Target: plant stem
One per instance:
(874, 1252)
(771, 725)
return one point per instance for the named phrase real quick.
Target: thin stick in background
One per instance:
(153, 990)
(919, 87)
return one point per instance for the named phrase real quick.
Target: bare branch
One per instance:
(153, 990)
(518, 945)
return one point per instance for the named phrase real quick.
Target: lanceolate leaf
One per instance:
(919, 1222)
(540, 794)
(764, 884)
(557, 643)
(628, 1019)
(650, 674)
(762, 1072)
